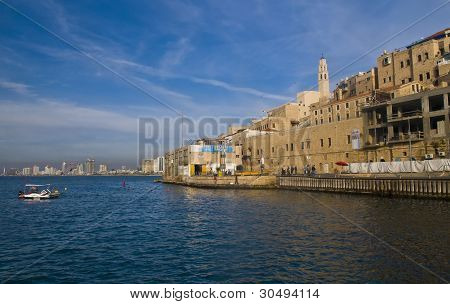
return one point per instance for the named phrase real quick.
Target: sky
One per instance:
(75, 76)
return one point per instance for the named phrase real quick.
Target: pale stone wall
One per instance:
(224, 181)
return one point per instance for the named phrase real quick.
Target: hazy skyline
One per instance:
(201, 58)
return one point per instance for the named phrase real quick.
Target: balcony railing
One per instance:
(418, 135)
(405, 115)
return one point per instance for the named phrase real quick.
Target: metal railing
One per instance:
(389, 186)
(400, 115)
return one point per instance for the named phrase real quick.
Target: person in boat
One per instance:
(33, 189)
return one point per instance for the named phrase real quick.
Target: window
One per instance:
(329, 142)
(321, 121)
(413, 88)
(303, 145)
(292, 147)
(403, 81)
(426, 55)
(390, 78)
(420, 77)
(320, 111)
(407, 62)
(321, 142)
(329, 109)
(237, 155)
(419, 58)
(384, 80)
(347, 115)
(273, 125)
(315, 112)
(338, 117)
(329, 119)
(401, 64)
(337, 107)
(287, 147)
(308, 144)
(325, 76)
(257, 152)
(346, 105)
(273, 149)
(358, 114)
(316, 122)
(349, 140)
(346, 154)
(428, 75)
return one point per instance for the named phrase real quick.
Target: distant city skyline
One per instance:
(227, 58)
(87, 167)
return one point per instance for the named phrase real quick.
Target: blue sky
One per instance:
(203, 58)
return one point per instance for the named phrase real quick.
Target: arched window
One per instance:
(325, 76)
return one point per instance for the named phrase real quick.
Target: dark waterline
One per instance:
(100, 232)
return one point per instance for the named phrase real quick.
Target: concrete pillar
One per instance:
(365, 117)
(426, 118)
(447, 114)
(390, 127)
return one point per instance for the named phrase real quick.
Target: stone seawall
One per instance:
(247, 182)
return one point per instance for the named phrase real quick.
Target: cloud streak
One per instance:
(54, 114)
(19, 88)
(151, 71)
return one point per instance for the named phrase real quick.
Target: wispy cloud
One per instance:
(19, 88)
(227, 86)
(176, 54)
(152, 71)
(56, 114)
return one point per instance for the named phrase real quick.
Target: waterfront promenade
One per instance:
(418, 186)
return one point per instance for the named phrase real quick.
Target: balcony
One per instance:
(404, 137)
(405, 116)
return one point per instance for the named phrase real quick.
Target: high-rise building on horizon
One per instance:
(103, 168)
(90, 166)
(35, 170)
(26, 171)
(80, 170)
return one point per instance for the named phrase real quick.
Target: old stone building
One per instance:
(416, 62)
(396, 111)
(416, 125)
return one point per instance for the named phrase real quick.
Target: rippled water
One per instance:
(99, 232)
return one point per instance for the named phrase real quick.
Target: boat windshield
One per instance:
(32, 188)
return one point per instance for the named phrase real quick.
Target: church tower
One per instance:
(324, 82)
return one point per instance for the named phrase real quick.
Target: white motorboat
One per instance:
(38, 192)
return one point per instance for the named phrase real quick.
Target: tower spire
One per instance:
(324, 82)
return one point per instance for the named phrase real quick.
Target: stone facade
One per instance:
(417, 62)
(398, 110)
